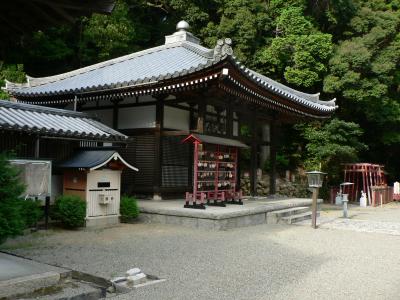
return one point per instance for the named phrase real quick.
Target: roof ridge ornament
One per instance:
(223, 48)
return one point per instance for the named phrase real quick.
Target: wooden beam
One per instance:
(41, 12)
(60, 11)
(273, 145)
(72, 5)
(116, 112)
(201, 117)
(229, 118)
(157, 182)
(253, 156)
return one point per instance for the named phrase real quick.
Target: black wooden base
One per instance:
(216, 203)
(195, 206)
(237, 202)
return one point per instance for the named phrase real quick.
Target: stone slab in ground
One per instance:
(68, 290)
(19, 275)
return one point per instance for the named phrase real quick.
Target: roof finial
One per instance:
(182, 34)
(182, 26)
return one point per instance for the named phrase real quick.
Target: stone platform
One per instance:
(254, 211)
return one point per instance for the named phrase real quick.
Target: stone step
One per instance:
(274, 217)
(297, 217)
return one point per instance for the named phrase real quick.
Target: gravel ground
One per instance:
(384, 220)
(259, 262)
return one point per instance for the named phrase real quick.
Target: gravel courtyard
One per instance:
(259, 262)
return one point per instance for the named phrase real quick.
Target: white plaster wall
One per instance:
(132, 99)
(137, 117)
(104, 115)
(94, 103)
(175, 118)
(69, 106)
(146, 98)
(235, 128)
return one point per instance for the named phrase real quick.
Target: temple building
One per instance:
(160, 96)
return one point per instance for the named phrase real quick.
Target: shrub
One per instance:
(70, 210)
(128, 208)
(11, 188)
(31, 212)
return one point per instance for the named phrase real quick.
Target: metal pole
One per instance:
(46, 212)
(314, 208)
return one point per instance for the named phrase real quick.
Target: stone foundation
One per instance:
(102, 221)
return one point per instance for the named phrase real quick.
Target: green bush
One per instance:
(11, 221)
(31, 212)
(70, 210)
(128, 208)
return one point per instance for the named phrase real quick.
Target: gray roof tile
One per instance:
(56, 122)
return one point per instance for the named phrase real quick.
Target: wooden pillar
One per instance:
(115, 112)
(253, 156)
(192, 123)
(157, 181)
(37, 147)
(75, 103)
(229, 118)
(201, 116)
(273, 142)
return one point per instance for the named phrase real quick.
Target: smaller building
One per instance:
(36, 133)
(95, 176)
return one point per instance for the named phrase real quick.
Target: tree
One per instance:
(11, 221)
(299, 52)
(105, 37)
(330, 144)
(364, 76)
(13, 73)
(244, 21)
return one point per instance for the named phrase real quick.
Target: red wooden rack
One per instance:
(214, 175)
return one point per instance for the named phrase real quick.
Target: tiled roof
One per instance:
(181, 55)
(137, 68)
(54, 122)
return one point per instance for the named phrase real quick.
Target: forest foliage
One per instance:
(346, 49)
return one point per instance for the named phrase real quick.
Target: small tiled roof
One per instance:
(93, 159)
(54, 122)
(208, 139)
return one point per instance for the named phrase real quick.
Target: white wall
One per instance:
(235, 128)
(175, 118)
(104, 115)
(137, 117)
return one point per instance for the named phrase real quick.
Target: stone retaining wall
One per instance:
(284, 187)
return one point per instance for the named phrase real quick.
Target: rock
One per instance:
(133, 271)
(111, 289)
